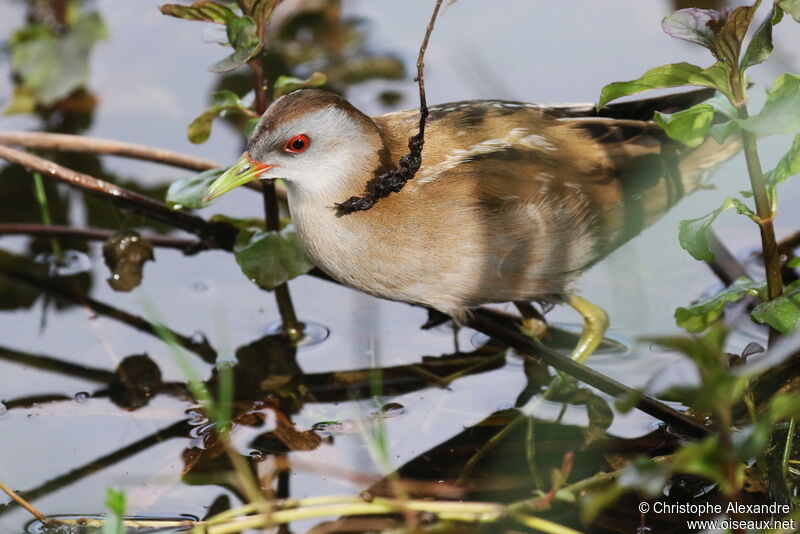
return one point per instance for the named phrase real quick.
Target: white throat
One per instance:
(342, 153)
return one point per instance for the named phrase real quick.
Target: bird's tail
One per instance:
(649, 171)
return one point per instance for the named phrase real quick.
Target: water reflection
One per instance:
(103, 402)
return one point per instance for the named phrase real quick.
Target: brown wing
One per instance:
(544, 196)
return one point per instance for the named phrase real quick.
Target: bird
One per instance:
(512, 202)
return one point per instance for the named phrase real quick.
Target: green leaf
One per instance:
(23, 100)
(243, 37)
(782, 313)
(672, 75)
(204, 10)
(781, 112)
(270, 259)
(731, 34)
(707, 459)
(287, 84)
(690, 126)
(701, 315)
(720, 132)
(788, 166)
(793, 263)
(705, 351)
(792, 7)
(753, 440)
(249, 127)
(56, 65)
(188, 192)
(693, 233)
(719, 389)
(781, 406)
(116, 501)
(722, 105)
(693, 25)
(722, 32)
(760, 46)
(645, 475)
(222, 103)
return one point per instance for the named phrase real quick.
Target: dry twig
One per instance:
(394, 180)
(93, 234)
(214, 235)
(97, 145)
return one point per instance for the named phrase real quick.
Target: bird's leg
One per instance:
(595, 324)
(533, 322)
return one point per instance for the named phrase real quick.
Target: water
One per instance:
(150, 79)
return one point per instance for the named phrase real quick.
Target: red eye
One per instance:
(297, 144)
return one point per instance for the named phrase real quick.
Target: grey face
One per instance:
(312, 151)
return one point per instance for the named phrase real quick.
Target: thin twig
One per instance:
(93, 234)
(215, 235)
(25, 504)
(394, 180)
(97, 145)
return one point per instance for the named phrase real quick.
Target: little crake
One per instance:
(513, 201)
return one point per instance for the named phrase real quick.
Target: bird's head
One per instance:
(314, 140)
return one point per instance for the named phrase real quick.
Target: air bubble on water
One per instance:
(81, 397)
(313, 333)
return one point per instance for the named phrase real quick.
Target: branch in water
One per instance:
(394, 180)
(215, 235)
(94, 234)
(97, 145)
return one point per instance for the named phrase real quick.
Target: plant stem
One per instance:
(22, 502)
(758, 185)
(292, 328)
(787, 451)
(44, 207)
(772, 261)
